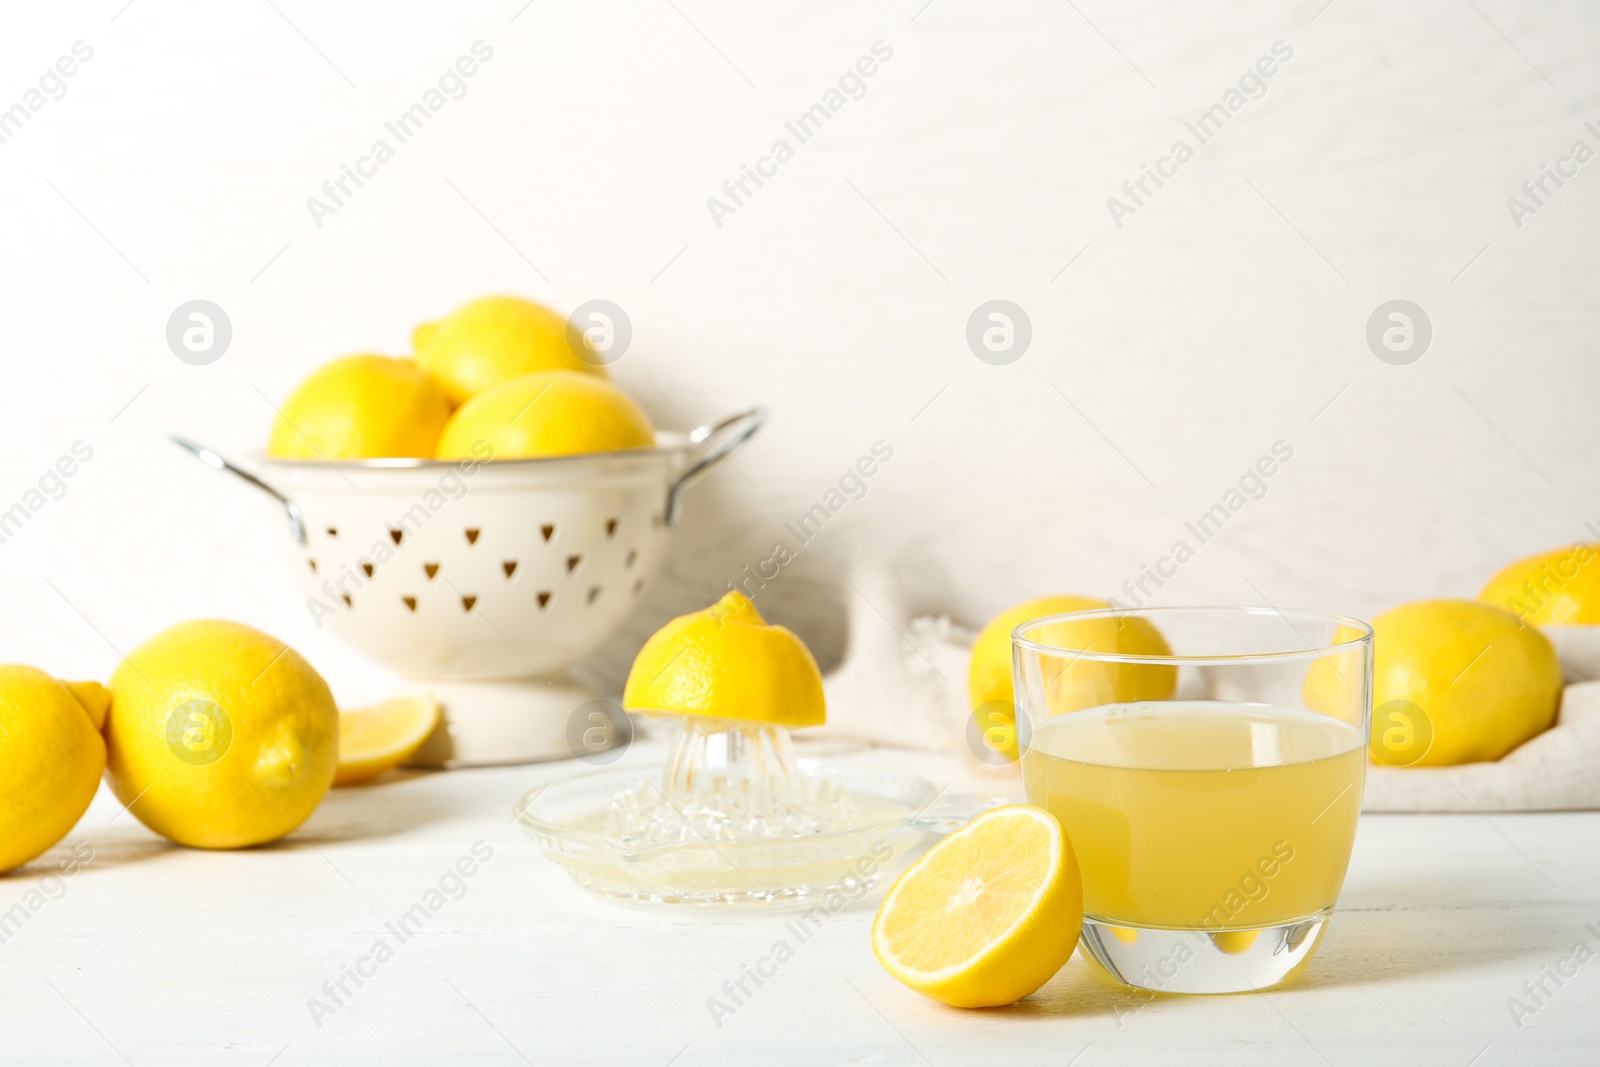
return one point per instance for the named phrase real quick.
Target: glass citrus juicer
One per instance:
(734, 818)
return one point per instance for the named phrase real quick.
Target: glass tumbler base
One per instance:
(1199, 961)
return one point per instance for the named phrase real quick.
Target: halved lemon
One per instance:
(988, 915)
(727, 662)
(377, 739)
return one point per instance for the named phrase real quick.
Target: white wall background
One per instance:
(1226, 315)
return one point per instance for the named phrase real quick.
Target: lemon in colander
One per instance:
(361, 407)
(495, 339)
(552, 413)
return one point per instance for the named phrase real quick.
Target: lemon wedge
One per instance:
(377, 739)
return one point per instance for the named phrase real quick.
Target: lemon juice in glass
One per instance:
(1210, 787)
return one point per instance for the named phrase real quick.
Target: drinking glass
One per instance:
(1207, 765)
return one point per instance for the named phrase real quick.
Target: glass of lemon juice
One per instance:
(1207, 764)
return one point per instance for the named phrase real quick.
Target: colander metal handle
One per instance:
(215, 461)
(720, 436)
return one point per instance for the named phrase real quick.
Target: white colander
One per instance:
(484, 580)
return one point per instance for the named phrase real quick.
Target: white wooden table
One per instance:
(153, 954)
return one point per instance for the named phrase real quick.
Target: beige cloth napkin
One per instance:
(903, 681)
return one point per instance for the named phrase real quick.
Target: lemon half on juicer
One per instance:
(727, 662)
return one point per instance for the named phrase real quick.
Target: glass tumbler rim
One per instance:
(1364, 634)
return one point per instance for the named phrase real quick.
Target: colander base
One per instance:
(526, 720)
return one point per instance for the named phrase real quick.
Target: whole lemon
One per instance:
(552, 413)
(1559, 588)
(1335, 683)
(1072, 684)
(989, 673)
(492, 340)
(220, 736)
(51, 756)
(361, 407)
(1454, 681)
(727, 662)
